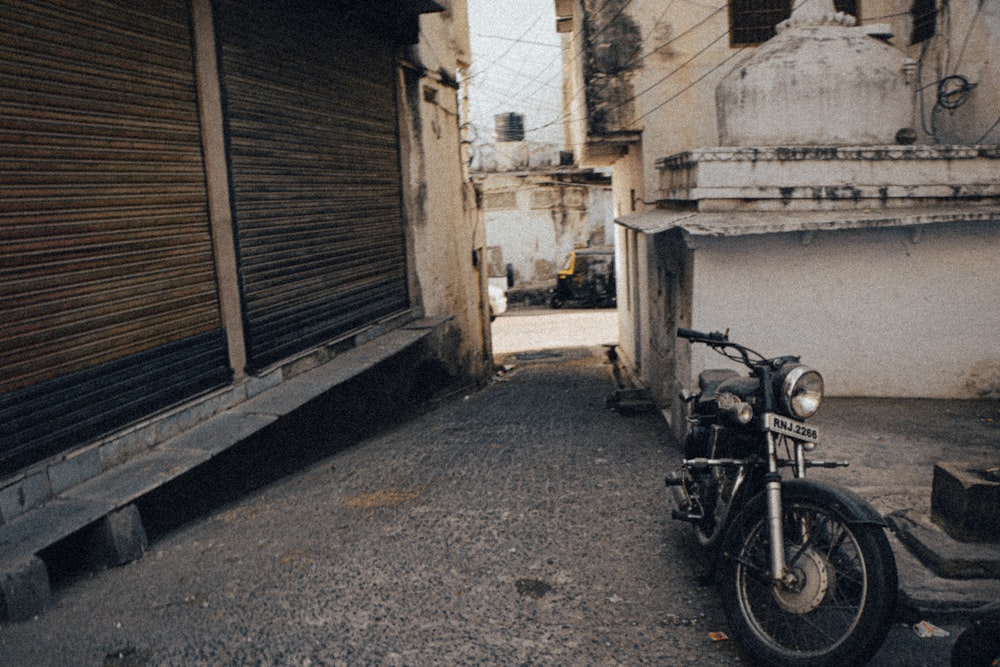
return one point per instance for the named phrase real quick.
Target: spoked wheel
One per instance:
(836, 604)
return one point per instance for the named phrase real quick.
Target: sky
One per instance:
(516, 67)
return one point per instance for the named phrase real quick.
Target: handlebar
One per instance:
(698, 336)
(719, 341)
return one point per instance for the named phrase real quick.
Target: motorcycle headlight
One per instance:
(801, 392)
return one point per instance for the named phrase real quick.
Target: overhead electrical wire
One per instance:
(513, 43)
(557, 57)
(947, 103)
(597, 33)
(564, 117)
(692, 84)
(952, 90)
(477, 77)
(519, 41)
(670, 74)
(660, 47)
(682, 65)
(657, 48)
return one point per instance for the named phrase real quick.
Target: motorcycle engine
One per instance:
(715, 441)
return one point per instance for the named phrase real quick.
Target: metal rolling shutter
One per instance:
(108, 305)
(311, 121)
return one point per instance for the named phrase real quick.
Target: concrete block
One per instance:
(75, 469)
(191, 415)
(966, 502)
(22, 496)
(942, 554)
(259, 384)
(305, 363)
(123, 449)
(369, 335)
(24, 589)
(118, 538)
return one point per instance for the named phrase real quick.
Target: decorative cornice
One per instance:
(688, 159)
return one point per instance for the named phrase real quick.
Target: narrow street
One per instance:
(521, 524)
(540, 328)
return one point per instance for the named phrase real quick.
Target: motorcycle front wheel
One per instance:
(837, 605)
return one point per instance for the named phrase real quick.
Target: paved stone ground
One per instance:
(523, 524)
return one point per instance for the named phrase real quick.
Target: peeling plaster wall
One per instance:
(683, 52)
(613, 52)
(923, 310)
(922, 315)
(966, 44)
(444, 235)
(683, 46)
(534, 223)
(668, 292)
(671, 77)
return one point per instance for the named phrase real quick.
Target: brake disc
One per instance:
(810, 581)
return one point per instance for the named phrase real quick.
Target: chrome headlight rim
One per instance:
(802, 392)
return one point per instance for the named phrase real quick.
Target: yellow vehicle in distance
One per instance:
(587, 280)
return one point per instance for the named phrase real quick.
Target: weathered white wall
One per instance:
(685, 54)
(685, 51)
(443, 229)
(888, 312)
(534, 223)
(879, 312)
(966, 44)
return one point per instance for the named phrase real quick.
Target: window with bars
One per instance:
(753, 21)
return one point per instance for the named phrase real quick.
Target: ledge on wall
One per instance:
(24, 588)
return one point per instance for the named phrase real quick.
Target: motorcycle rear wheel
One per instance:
(840, 607)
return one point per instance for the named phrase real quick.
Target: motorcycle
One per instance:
(805, 571)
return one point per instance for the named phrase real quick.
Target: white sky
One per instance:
(516, 66)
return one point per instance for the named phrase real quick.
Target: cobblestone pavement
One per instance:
(524, 524)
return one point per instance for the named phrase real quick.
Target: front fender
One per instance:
(849, 506)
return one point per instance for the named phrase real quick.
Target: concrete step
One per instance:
(943, 554)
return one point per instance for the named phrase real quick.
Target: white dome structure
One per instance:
(821, 81)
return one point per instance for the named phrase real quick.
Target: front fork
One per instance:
(774, 519)
(775, 524)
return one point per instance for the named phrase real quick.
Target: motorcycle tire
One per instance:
(556, 301)
(977, 646)
(840, 607)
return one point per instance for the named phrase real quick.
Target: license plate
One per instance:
(792, 428)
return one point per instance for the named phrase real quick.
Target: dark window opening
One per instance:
(847, 6)
(753, 21)
(924, 15)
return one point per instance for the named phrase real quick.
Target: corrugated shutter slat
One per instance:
(106, 267)
(316, 175)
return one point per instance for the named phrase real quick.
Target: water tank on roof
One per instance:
(509, 127)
